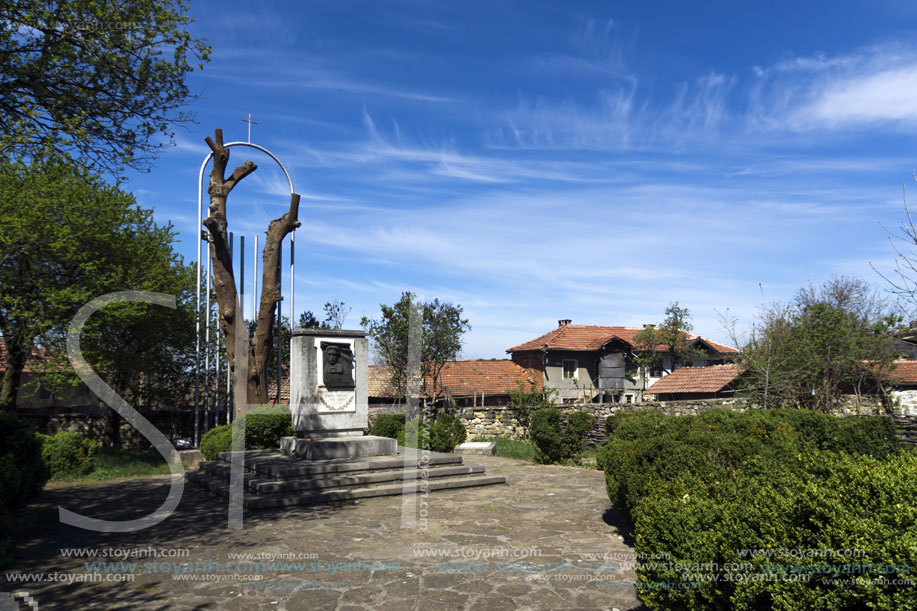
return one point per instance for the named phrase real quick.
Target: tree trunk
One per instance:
(224, 283)
(16, 353)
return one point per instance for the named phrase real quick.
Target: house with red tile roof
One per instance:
(684, 383)
(597, 363)
(464, 383)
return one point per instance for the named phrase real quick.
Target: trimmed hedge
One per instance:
(388, 425)
(264, 426)
(216, 440)
(68, 454)
(699, 489)
(554, 442)
(823, 501)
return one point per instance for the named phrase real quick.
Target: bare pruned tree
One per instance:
(903, 281)
(224, 283)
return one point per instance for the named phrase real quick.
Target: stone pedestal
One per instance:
(329, 378)
(338, 447)
(329, 403)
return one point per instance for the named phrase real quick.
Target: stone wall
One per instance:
(498, 421)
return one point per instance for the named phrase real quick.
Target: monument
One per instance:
(329, 379)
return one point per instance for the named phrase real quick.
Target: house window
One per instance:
(656, 371)
(628, 398)
(569, 369)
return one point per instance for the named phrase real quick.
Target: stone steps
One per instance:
(273, 480)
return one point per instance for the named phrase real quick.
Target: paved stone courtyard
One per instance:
(548, 539)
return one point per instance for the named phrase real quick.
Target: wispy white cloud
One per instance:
(868, 87)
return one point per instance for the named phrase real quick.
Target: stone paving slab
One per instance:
(548, 539)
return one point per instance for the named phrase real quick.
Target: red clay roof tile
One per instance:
(696, 380)
(591, 337)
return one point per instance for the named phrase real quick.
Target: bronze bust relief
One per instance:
(337, 365)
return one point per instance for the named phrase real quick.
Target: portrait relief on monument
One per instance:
(337, 365)
(337, 386)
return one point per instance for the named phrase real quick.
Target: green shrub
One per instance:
(265, 425)
(216, 440)
(388, 425)
(821, 501)
(555, 442)
(447, 432)
(548, 435)
(874, 436)
(701, 488)
(24, 472)
(68, 454)
(578, 426)
(414, 434)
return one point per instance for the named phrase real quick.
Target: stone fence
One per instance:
(499, 421)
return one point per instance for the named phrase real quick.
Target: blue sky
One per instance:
(533, 161)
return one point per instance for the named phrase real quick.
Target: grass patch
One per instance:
(109, 463)
(525, 450)
(512, 448)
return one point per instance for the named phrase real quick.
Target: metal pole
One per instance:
(207, 348)
(197, 325)
(255, 281)
(216, 380)
(292, 295)
(232, 241)
(242, 277)
(279, 350)
(279, 318)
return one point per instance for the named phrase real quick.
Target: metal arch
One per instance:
(200, 191)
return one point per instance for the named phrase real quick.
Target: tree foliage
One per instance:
(94, 79)
(335, 314)
(832, 339)
(438, 339)
(67, 237)
(525, 402)
(668, 339)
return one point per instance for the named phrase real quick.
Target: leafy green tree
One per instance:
(669, 340)
(68, 237)
(335, 314)
(525, 402)
(833, 339)
(94, 79)
(438, 339)
(307, 320)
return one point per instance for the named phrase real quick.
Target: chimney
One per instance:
(563, 322)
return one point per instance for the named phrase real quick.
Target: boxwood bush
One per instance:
(822, 502)
(700, 489)
(555, 442)
(68, 454)
(265, 425)
(388, 425)
(446, 432)
(216, 440)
